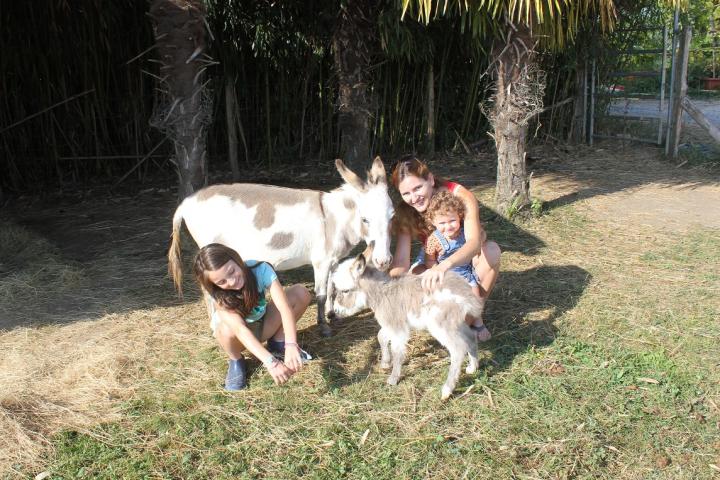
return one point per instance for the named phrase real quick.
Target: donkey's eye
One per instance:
(364, 220)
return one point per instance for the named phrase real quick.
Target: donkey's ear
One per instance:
(367, 253)
(358, 266)
(377, 172)
(349, 176)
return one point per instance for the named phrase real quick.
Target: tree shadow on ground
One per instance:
(525, 305)
(579, 172)
(521, 315)
(609, 167)
(113, 243)
(104, 255)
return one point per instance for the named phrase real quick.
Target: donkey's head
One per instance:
(374, 209)
(349, 299)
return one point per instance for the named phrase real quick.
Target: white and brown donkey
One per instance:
(291, 227)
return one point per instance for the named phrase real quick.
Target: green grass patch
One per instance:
(603, 364)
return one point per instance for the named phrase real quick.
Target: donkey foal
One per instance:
(400, 305)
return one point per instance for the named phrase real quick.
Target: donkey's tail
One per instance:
(175, 253)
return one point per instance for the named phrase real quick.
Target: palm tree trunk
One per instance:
(185, 109)
(513, 107)
(352, 42)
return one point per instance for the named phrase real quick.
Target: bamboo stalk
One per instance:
(30, 117)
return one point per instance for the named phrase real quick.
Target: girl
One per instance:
(417, 185)
(446, 213)
(241, 318)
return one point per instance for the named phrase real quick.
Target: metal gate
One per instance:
(628, 111)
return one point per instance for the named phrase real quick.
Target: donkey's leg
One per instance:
(398, 343)
(452, 339)
(472, 348)
(384, 340)
(322, 272)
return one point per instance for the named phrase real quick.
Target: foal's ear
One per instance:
(358, 266)
(367, 253)
(349, 176)
(377, 172)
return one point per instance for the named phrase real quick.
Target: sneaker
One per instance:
(277, 348)
(236, 378)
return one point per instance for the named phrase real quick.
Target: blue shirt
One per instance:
(264, 276)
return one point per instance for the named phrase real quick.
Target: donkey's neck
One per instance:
(375, 285)
(341, 210)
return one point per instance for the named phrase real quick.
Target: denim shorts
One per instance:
(255, 327)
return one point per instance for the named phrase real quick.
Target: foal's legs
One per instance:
(398, 343)
(472, 348)
(384, 340)
(451, 338)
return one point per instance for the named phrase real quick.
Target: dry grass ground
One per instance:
(604, 361)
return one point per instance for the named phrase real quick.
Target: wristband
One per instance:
(270, 361)
(292, 344)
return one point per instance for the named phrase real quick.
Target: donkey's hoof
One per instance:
(325, 330)
(393, 380)
(471, 368)
(446, 393)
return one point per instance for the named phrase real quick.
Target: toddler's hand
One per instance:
(431, 278)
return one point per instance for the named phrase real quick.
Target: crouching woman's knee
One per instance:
(492, 252)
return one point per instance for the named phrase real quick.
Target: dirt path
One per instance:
(631, 187)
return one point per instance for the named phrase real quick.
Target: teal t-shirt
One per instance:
(264, 276)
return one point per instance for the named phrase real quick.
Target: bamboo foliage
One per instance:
(75, 102)
(92, 96)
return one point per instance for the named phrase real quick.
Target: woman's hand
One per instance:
(293, 360)
(279, 372)
(432, 277)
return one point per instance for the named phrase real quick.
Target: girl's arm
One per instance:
(277, 369)
(430, 260)
(401, 259)
(292, 349)
(432, 250)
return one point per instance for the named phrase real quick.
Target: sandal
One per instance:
(482, 334)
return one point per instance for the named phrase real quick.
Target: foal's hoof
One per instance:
(446, 393)
(393, 380)
(325, 330)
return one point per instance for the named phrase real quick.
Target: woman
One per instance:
(417, 185)
(240, 317)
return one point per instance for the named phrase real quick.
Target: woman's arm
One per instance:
(401, 259)
(292, 349)
(474, 233)
(474, 238)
